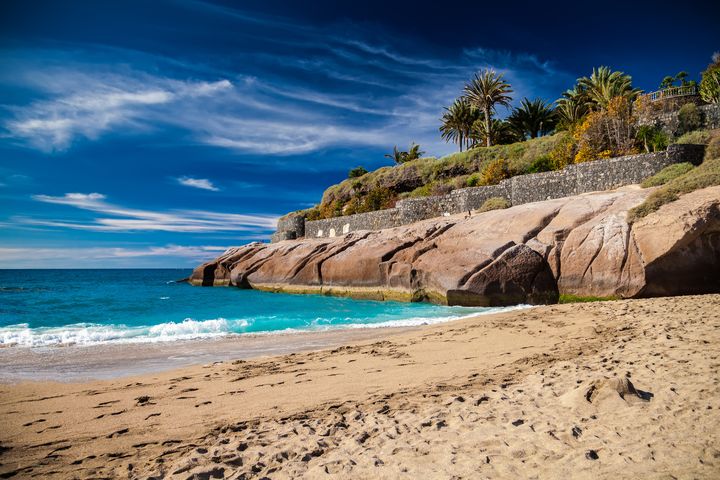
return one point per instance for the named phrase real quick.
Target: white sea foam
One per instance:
(418, 321)
(92, 334)
(189, 329)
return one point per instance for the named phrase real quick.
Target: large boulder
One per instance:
(581, 245)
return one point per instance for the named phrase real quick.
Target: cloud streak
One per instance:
(93, 257)
(101, 105)
(122, 219)
(201, 183)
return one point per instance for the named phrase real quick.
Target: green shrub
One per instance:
(376, 199)
(666, 174)
(494, 203)
(689, 119)
(473, 180)
(543, 163)
(697, 137)
(423, 191)
(357, 172)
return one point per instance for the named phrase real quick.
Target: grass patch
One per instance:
(707, 174)
(494, 203)
(570, 298)
(666, 174)
(698, 137)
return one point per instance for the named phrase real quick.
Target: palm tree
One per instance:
(485, 91)
(533, 118)
(682, 78)
(399, 156)
(572, 106)
(499, 131)
(667, 82)
(457, 122)
(414, 153)
(396, 156)
(604, 85)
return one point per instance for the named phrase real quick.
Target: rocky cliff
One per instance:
(581, 245)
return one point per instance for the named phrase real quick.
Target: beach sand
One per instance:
(623, 389)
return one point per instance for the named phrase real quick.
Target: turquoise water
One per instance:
(49, 307)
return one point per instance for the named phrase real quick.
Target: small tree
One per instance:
(710, 84)
(357, 172)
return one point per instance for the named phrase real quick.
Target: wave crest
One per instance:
(92, 334)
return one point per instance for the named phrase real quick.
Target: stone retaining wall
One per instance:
(668, 121)
(575, 179)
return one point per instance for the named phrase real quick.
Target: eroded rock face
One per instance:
(526, 254)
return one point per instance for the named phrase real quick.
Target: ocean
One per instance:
(88, 307)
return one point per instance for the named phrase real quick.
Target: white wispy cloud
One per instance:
(202, 251)
(201, 183)
(335, 89)
(90, 106)
(122, 219)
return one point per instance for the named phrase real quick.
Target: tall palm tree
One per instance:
(485, 91)
(604, 85)
(533, 118)
(457, 122)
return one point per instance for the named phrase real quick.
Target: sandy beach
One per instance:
(623, 389)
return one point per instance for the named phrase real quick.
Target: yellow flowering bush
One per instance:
(495, 172)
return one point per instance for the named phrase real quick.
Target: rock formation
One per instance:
(580, 245)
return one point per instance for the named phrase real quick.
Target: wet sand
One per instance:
(107, 361)
(605, 390)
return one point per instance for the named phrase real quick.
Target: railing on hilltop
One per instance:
(685, 91)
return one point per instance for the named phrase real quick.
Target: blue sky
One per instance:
(156, 134)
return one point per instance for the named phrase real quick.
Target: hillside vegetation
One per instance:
(431, 176)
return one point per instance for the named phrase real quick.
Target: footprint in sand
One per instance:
(41, 420)
(118, 432)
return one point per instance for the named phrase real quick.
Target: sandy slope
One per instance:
(539, 393)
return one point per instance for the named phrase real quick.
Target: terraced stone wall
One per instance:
(575, 179)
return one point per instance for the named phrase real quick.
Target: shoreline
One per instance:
(627, 388)
(83, 363)
(117, 359)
